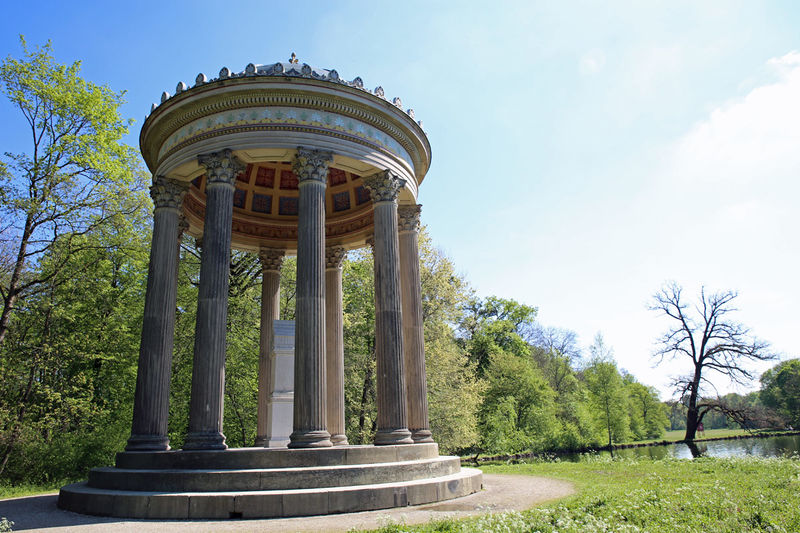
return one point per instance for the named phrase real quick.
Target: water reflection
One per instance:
(762, 447)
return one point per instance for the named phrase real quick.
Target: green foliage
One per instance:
(647, 415)
(607, 397)
(780, 389)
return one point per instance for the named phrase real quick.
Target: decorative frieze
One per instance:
(334, 255)
(167, 192)
(408, 217)
(221, 167)
(312, 164)
(384, 186)
(271, 259)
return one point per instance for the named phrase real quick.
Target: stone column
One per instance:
(208, 373)
(271, 261)
(151, 400)
(413, 337)
(392, 421)
(309, 424)
(334, 336)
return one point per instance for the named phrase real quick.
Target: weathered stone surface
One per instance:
(334, 339)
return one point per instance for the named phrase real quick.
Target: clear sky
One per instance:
(583, 152)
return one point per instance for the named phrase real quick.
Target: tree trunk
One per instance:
(13, 284)
(692, 415)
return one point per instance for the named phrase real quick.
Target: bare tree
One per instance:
(712, 340)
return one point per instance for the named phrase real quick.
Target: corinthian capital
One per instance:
(384, 186)
(271, 258)
(221, 167)
(408, 217)
(166, 192)
(311, 164)
(334, 255)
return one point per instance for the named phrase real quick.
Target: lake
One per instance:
(763, 447)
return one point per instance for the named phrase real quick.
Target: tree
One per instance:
(76, 177)
(607, 392)
(780, 389)
(712, 341)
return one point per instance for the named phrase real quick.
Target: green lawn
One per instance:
(678, 434)
(16, 491)
(701, 495)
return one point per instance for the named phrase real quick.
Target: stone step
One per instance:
(248, 458)
(203, 480)
(81, 498)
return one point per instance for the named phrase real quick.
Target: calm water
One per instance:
(765, 447)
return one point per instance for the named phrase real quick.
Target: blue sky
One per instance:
(583, 152)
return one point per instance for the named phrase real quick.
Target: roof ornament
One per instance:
(293, 59)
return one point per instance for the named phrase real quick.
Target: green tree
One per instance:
(780, 389)
(648, 416)
(74, 179)
(607, 392)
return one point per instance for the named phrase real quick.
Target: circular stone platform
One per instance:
(268, 483)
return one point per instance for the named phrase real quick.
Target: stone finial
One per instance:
(221, 167)
(311, 164)
(153, 107)
(180, 87)
(167, 192)
(250, 70)
(333, 75)
(410, 113)
(200, 79)
(306, 70)
(164, 96)
(293, 59)
(358, 82)
(271, 259)
(224, 73)
(334, 255)
(408, 217)
(398, 102)
(379, 91)
(384, 186)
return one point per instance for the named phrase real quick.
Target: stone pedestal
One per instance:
(208, 373)
(280, 404)
(151, 400)
(392, 417)
(311, 168)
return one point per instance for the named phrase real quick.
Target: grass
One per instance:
(701, 495)
(27, 489)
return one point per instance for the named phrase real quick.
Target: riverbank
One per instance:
(712, 435)
(707, 494)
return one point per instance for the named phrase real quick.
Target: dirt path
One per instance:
(500, 493)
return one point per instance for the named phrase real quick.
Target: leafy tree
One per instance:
(607, 392)
(74, 179)
(648, 416)
(780, 389)
(711, 340)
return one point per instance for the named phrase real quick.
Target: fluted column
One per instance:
(151, 400)
(271, 261)
(309, 424)
(334, 340)
(392, 418)
(413, 337)
(208, 373)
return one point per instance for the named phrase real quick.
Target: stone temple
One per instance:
(281, 159)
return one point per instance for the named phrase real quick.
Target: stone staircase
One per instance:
(269, 482)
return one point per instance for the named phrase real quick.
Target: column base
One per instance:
(393, 436)
(261, 441)
(310, 439)
(205, 440)
(339, 440)
(421, 435)
(147, 443)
